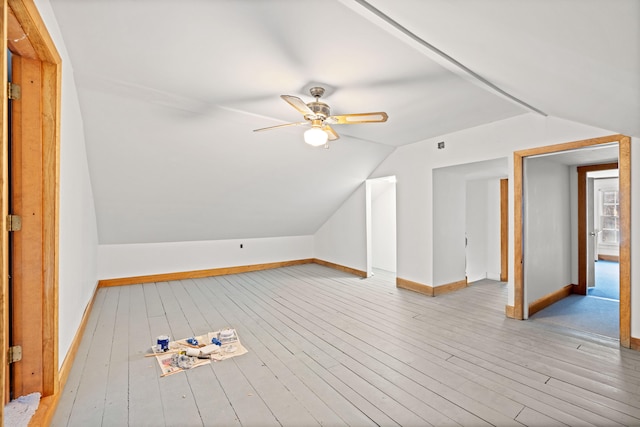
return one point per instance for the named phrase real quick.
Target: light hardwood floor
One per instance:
(328, 348)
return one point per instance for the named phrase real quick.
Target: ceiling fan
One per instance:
(318, 115)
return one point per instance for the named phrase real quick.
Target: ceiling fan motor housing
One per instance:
(320, 110)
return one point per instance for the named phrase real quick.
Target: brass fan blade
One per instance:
(281, 126)
(298, 104)
(350, 119)
(333, 135)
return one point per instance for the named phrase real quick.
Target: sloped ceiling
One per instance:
(170, 93)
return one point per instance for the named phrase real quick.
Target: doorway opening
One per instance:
(535, 227)
(470, 224)
(603, 234)
(381, 227)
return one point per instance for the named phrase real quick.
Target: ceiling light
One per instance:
(315, 136)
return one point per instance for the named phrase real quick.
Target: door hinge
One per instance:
(13, 91)
(15, 354)
(14, 223)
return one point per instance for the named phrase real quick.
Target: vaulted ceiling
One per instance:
(171, 92)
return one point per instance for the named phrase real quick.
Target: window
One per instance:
(609, 217)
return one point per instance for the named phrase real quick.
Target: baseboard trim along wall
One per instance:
(510, 311)
(613, 258)
(350, 270)
(549, 299)
(430, 290)
(450, 287)
(197, 274)
(635, 344)
(414, 286)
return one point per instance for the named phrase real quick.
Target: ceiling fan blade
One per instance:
(281, 126)
(333, 135)
(297, 103)
(350, 119)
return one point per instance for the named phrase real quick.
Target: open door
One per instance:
(587, 229)
(34, 194)
(592, 236)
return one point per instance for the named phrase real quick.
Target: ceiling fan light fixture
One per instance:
(315, 136)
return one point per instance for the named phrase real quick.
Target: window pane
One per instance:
(610, 210)
(610, 197)
(609, 236)
(609, 222)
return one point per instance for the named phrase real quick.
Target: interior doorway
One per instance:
(469, 223)
(602, 230)
(527, 252)
(381, 226)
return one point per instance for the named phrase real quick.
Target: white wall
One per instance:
(130, 260)
(383, 225)
(449, 197)
(483, 229)
(547, 227)
(413, 164)
(343, 238)
(493, 225)
(78, 230)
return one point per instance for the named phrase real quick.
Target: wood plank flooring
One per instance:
(328, 348)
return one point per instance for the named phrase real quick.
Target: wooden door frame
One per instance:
(581, 287)
(504, 230)
(624, 168)
(26, 36)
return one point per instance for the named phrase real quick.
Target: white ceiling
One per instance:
(171, 91)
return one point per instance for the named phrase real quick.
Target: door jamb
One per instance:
(504, 230)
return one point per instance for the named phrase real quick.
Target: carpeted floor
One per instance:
(587, 314)
(607, 280)
(597, 313)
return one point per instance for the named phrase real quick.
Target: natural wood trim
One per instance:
(634, 343)
(518, 229)
(449, 287)
(549, 299)
(566, 146)
(504, 230)
(45, 412)
(613, 258)
(20, 18)
(33, 26)
(67, 364)
(28, 263)
(349, 270)
(4, 203)
(17, 40)
(581, 289)
(195, 274)
(51, 108)
(624, 190)
(414, 286)
(510, 311)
